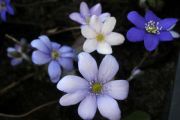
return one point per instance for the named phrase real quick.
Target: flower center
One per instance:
(152, 27)
(100, 37)
(96, 88)
(54, 54)
(2, 5)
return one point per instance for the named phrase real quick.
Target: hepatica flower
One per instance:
(151, 29)
(99, 35)
(53, 53)
(96, 90)
(5, 7)
(18, 53)
(85, 14)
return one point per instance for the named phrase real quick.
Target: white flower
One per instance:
(99, 35)
(96, 89)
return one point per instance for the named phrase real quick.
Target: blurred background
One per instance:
(26, 86)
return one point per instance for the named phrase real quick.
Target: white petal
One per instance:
(115, 38)
(87, 108)
(72, 98)
(108, 68)
(104, 48)
(95, 23)
(88, 32)
(108, 107)
(175, 34)
(87, 66)
(90, 45)
(72, 83)
(117, 89)
(104, 16)
(109, 25)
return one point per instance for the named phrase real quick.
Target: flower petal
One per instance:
(151, 16)
(46, 41)
(3, 15)
(135, 35)
(165, 36)
(54, 71)
(87, 66)
(56, 45)
(108, 107)
(117, 89)
(115, 38)
(38, 44)
(66, 63)
(104, 16)
(10, 10)
(65, 49)
(104, 48)
(167, 23)
(136, 19)
(40, 58)
(174, 34)
(72, 98)
(108, 68)
(95, 23)
(87, 108)
(96, 9)
(109, 25)
(88, 32)
(84, 10)
(75, 16)
(90, 45)
(151, 42)
(71, 83)
(16, 61)
(68, 55)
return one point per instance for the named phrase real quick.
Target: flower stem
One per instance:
(30, 112)
(63, 30)
(13, 39)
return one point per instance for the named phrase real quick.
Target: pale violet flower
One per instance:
(53, 53)
(96, 90)
(85, 13)
(99, 35)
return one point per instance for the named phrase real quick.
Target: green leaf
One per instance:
(138, 115)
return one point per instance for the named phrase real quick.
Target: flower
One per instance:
(99, 36)
(18, 53)
(96, 89)
(5, 7)
(53, 53)
(151, 29)
(85, 13)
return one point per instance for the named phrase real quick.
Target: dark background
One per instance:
(150, 92)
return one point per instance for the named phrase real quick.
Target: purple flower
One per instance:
(85, 13)
(18, 53)
(151, 29)
(53, 53)
(5, 7)
(96, 89)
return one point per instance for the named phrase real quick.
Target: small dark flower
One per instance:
(151, 29)
(5, 7)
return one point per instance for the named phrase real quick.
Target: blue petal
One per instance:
(151, 16)
(40, 45)
(165, 36)
(54, 71)
(84, 10)
(46, 41)
(55, 45)
(40, 58)
(3, 15)
(77, 17)
(135, 35)
(68, 55)
(65, 49)
(10, 10)
(151, 42)
(167, 23)
(15, 61)
(66, 63)
(96, 9)
(136, 19)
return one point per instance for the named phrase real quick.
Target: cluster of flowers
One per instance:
(96, 89)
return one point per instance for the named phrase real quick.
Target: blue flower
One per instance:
(85, 13)
(96, 89)
(5, 7)
(53, 53)
(151, 29)
(18, 53)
